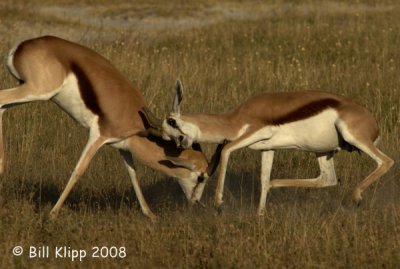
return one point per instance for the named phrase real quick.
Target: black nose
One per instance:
(171, 122)
(200, 179)
(180, 138)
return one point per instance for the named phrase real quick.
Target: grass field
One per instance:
(224, 52)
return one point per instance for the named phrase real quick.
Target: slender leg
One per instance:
(267, 158)
(326, 178)
(94, 143)
(361, 139)
(21, 94)
(131, 170)
(221, 179)
(244, 141)
(384, 164)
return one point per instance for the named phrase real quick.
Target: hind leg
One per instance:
(363, 142)
(18, 95)
(383, 165)
(25, 93)
(326, 178)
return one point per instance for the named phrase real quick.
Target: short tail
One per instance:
(10, 63)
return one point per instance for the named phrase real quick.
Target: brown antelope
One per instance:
(312, 121)
(93, 92)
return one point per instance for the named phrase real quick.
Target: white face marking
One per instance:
(168, 131)
(183, 133)
(316, 134)
(69, 99)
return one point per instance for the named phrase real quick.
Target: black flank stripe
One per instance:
(307, 111)
(87, 90)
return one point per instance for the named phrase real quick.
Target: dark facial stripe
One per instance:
(171, 122)
(306, 111)
(86, 89)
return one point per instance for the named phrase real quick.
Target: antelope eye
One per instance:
(171, 122)
(200, 179)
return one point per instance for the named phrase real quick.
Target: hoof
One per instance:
(220, 209)
(151, 216)
(357, 198)
(261, 212)
(348, 202)
(200, 204)
(197, 208)
(351, 202)
(52, 215)
(357, 203)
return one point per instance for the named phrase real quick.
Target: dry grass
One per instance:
(246, 47)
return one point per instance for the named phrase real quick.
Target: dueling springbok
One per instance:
(312, 121)
(93, 92)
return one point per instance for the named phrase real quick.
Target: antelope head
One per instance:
(193, 186)
(176, 127)
(188, 155)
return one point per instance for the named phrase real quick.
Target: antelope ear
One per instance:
(178, 97)
(181, 162)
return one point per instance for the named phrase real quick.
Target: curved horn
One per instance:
(151, 119)
(150, 132)
(152, 123)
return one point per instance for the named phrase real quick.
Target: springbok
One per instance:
(312, 121)
(93, 92)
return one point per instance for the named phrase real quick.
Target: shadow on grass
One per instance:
(241, 193)
(163, 195)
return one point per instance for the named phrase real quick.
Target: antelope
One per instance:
(94, 93)
(312, 121)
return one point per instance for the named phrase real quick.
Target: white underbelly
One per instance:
(70, 100)
(317, 134)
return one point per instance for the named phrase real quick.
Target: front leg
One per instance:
(221, 177)
(128, 160)
(244, 141)
(267, 158)
(92, 146)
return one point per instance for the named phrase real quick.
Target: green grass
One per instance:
(340, 47)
